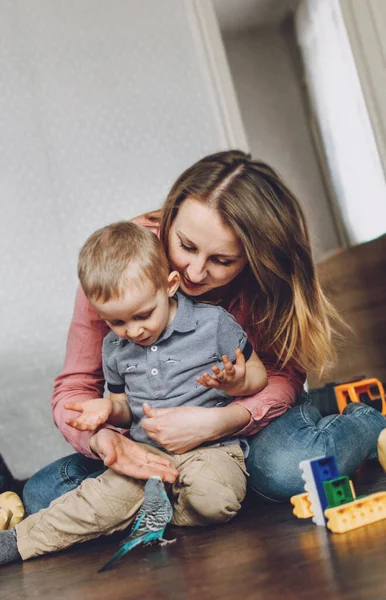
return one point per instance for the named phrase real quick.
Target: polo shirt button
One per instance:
(154, 348)
(154, 371)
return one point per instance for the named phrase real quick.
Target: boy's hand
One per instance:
(230, 379)
(93, 413)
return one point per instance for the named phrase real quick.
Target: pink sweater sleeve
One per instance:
(275, 399)
(82, 376)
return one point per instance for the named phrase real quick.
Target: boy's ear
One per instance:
(173, 283)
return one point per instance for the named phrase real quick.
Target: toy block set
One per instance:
(334, 397)
(330, 498)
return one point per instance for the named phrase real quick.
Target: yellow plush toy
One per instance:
(11, 510)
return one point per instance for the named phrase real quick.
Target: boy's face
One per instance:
(140, 315)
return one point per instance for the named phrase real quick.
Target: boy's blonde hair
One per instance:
(105, 258)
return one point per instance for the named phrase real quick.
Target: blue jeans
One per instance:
(58, 478)
(273, 462)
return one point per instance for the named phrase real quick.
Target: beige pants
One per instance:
(210, 487)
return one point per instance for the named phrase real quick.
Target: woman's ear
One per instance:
(173, 283)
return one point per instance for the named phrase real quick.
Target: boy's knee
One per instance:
(206, 505)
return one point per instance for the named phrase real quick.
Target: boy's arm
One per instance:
(241, 378)
(246, 375)
(120, 415)
(256, 377)
(94, 413)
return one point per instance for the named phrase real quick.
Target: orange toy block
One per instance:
(350, 392)
(302, 506)
(356, 514)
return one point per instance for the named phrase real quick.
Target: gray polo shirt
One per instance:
(164, 375)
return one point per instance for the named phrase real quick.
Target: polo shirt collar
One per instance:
(184, 319)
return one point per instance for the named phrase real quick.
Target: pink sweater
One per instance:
(82, 376)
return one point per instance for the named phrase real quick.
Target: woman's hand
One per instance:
(183, 428)
(128, 458)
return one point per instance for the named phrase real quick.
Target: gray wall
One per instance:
(268, 90)
(102, 105)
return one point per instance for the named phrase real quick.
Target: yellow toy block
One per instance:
(302, 505)
(356, 514)
(5, 517)
(9, 501)
(354, 494)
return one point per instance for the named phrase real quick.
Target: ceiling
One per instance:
(238, 15)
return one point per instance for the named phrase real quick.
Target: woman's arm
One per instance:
(183, 428)
(82, 377)
(98, 411)
(283, 387)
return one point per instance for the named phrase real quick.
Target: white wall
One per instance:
(102, 105)
(365, 21)
(276, 123)
(349, 107)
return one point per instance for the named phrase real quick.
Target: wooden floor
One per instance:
(266, 553)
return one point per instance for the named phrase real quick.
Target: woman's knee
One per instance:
(273, 469)
(276, 479)
(276, 451)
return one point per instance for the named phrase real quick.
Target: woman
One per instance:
(238, 237)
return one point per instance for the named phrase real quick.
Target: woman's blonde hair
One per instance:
(106, 255)
(286, 310)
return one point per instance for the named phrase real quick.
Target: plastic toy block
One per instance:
(302, 506)
(5, 517)
(351, 392)
(314, 473)
(354, 494)
(357, 514)
(338, 491)
(11, 501)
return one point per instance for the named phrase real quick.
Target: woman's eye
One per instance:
(224, 263)
(116, 323)
(187, 248)
(217, 261)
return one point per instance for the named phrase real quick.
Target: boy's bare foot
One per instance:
(381, 448)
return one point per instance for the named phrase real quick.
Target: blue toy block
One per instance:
(324, 469)
(314, 473)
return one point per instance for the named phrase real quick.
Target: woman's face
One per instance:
(205, 252)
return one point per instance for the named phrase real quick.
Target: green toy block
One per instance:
(338, 491)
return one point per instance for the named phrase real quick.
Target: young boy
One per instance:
(157, 355)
